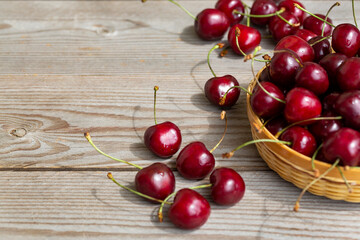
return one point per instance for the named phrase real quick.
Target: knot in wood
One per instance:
(19, 132)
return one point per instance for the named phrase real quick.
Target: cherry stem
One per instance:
(88, 137)
(320, 40)
(222, 116)
(237, 34)
(219, 45)
(297, 204)
(345, 180)
(291, 24)
(230, 154)
(304, 10)
(326, 16)
(160, 212)
(313, 160)
(180, 6)
(306, 120)
(110, 176)
(353, 10)
(259, 16)
(155, 90)
(223, 98)
(264, 124)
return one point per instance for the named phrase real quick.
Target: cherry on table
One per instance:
(262, 7)
(348, 106)
(305, 34)
(228, 7)
(301, 140)
(348, 74)
(321, 47)
(228, 187)
(316, 25)
(248, 38)
(301, 104)
(190, 210)
(211, 24)
(312, 77)
(298, 45)
(278, 28)
(346, 39)
(289, 6)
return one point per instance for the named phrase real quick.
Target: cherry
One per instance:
(343, 145)
(265, 75)
(348, 106)
(298, 45)
(346, 39)
(305, 34)
(301, 104)
(162, 139)
(348, 74)
(263, 104)
(324, 128)
(312, 77)
(331, 63)
(247, 38)
(289, 6)
(190, 210)
(316, 25)
(216, 87)
(278, 28)
(283, 68)
(262, 7)
(228, 187)
(195, 161)
(211, 24)
(228, 7)
(301, 140)
(328, 103)
(321, 47)
(276, 124)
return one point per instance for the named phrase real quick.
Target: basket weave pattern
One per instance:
(296, 168)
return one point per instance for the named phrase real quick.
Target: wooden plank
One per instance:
(67, 205)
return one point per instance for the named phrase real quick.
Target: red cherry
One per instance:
(321, 49)
(343, 145)
(348, 106)
(279, 29)
(348, 74)
(262, 7)
(263, 104)
(228, 187)
(276, 124)
(163, 139)
(216, 87)
(305, 34)
(195, 161)
(323, 128)
(190, 210)
(331, 63)
(301, 140)
(156, 180)
(346, 39)
(301, 104)
(289, 6)
(228, 7)
(211, 24)
(315, 25)
(265, 75)
(312, 77)
(298, 45)
(248, 39)
(283, 68)
(328, 102)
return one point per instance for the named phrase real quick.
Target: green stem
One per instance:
(314, 156)
(223, 115)
(326, 16)
(303, 9)
(259, 16)
(184, 9)
(223, 98)
(320, 40)
(237, 34)
(136, 192)
(219, 45)
(354, 15)
(88, 137)
(156, 88)
(345, 180)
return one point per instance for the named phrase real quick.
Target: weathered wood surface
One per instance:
(67, 67)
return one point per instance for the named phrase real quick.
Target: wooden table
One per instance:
(68, 67)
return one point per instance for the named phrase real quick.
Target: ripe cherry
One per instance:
(301, 104)
(343, 145)
(298, 45)
(348, 106)
(321, 47)
(190, 210)
(348, 74)
(278, 28)
(324, 128)
(316, 25)
(211, 24)
(289, 6)
(162, 139)
(301, 140)
(305, 34)
(328, 103)
(216, 87)
(247, 38)
(228, 187)
(262, 7)
(228, 7)
(267, 104)
(276, 124)
(312, 77)
(331, 63)
(346, 39)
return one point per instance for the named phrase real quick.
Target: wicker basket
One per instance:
(296, 168)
